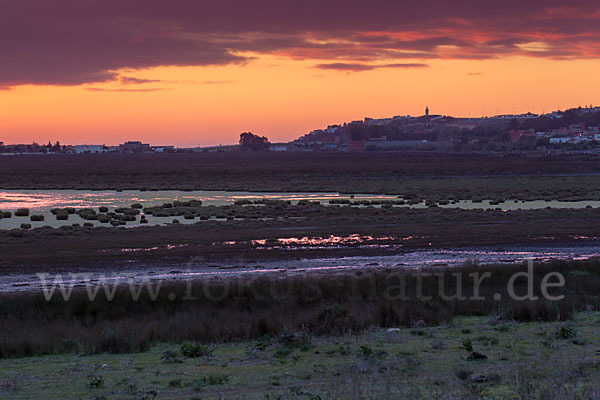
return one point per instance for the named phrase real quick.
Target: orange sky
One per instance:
(284, 99)
(202, 73)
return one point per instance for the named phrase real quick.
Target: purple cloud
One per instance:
(71, 42)
(129, 80)
(95, 89)
(367, 67)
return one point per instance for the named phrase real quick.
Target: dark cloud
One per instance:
(95, 89)
(70, 42)
(366, 67)
(129, 80)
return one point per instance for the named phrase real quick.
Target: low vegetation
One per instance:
(204, 312)
(22, 212)
(373, 364)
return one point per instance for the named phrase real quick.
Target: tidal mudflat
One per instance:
(219, 284)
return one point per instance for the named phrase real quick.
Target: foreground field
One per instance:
(525, 361)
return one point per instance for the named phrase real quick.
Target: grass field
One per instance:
(244, 308)
(525, 361)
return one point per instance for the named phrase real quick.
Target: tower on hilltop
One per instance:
(427, 111)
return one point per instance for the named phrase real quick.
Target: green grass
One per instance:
(373, 364)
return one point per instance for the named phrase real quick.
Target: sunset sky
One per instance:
(193, 72)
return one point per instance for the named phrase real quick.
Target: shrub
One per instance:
(103, 218)
(62, 216)
(6, 214)
(22, 212)
(282, 354)
(25, 226)
(195, 350)
(342, 350)
(85, 211)
(214, 379)
(263, 343)
(365, 350)
(136, 205)
(565, 332)
(467, 344)
(103, 209)
(36, 218)
(96, 382)
(170, 357)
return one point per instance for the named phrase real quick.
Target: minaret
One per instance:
(427, 111)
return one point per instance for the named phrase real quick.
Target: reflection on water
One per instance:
(42, 201)
(48, 199)
(332, 241)
(144, 249)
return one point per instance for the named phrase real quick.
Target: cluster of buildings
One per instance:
(573, 134)
(127, 147)
(438, 132)
(376, 143)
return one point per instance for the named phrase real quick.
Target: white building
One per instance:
(89, 148)
(163, 149)
(332, 128)
(278, 148)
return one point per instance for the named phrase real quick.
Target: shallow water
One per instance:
(40, 202)
(194, 269)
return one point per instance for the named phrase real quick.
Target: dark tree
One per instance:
(250, 141)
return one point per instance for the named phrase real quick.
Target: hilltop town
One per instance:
(573, 130)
